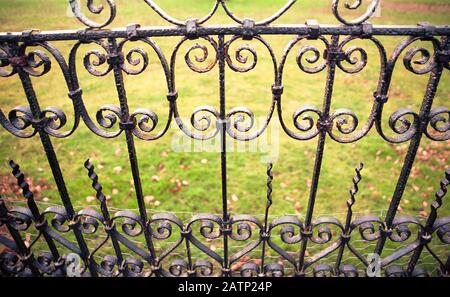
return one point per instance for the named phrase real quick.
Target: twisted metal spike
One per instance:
(111, 228)
(356, 179)
(443, 190)
(266, 216)
(40, 222)
(269, 184)
(353, 191)
(350, 202)
(269, 193)
(21, 180)
(95, 184)
(26, 192)
(98, 189)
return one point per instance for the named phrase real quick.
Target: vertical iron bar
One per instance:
(323, 126)
(125, 113)
(223, 155)
(188, 251)
(56, 169)
(422, 123)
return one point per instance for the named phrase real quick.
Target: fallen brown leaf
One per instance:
(177, 188)
(149, 199)
(117, 169)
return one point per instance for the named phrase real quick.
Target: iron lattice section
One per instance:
(252, 233)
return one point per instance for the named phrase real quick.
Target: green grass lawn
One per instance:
(199, 173)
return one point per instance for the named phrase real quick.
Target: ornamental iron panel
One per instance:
(64, 230)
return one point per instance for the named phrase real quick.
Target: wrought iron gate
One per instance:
(16, 59)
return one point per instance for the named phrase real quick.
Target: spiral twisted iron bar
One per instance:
(33, 53)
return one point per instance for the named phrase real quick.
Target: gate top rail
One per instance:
(300, 29)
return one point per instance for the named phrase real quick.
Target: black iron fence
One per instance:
(62, 227)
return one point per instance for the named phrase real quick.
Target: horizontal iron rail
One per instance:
(379, 30)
